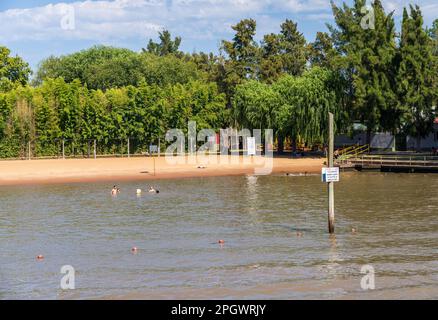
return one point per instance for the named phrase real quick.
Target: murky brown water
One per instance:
(177, 231)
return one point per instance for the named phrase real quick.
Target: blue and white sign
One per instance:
(330, 174)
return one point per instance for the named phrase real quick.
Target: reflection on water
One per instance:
(177, 232)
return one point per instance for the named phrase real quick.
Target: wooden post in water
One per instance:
(331, 190)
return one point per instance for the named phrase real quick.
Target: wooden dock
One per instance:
(404, 163)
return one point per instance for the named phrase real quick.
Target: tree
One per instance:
(304, 105)
(13, 70)
(283, 53)
(46, 123)
(255, 105)
(167, 70)
(271, 64)
(415, 78)
(243, 56)
(322, 52)
(433, 34)
(165, 46)
(92, 67)
(293, 48)
(367, 64)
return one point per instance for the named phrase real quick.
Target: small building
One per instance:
(429, 142)
(387, 141)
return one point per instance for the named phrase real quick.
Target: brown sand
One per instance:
(141, 168)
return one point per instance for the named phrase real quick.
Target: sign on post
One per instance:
(251, 145)
(330, 174)
(153, 148)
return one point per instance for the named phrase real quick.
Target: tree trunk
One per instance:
(280, 144)
(294, 144)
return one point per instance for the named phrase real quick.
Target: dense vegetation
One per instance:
(376, 76)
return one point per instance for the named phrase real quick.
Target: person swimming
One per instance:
(153, 190)
(115, 190)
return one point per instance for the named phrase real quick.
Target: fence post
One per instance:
(129, 155)
(95, 155)
(63, 149)
(28, 150)
(159, 147)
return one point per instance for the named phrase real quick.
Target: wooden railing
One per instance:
(398, 161)
(353, 151)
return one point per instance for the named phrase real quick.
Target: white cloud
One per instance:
(103, 20)
(304, 5)
(117, 20)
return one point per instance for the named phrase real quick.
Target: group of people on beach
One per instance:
(116, 190)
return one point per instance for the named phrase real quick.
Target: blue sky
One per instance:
(39, 28)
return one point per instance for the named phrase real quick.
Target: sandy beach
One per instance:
(145, 168)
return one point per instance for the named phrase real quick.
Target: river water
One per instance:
(177, 232)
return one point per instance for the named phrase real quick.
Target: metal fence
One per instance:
(72, 148)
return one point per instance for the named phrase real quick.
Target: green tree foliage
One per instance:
(13, 70)
(294, 107)
(59, 111)
(165, 46)
(103, 68)
(304, 105)
(255, 105)
(83, 65)
(433, 34)
(168, 70)
(367, 64)
(284, 53)
(243, 56)
(322, 52)
(416, 88)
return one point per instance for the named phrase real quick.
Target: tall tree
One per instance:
(243, 55)
(293, 48)
(284, 53)
(416, 77)
(322, 52)
(165, 46)
(365, 39)
(433, 33)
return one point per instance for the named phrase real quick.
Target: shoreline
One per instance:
(58, 171)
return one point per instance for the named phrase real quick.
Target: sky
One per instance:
(37, 29)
